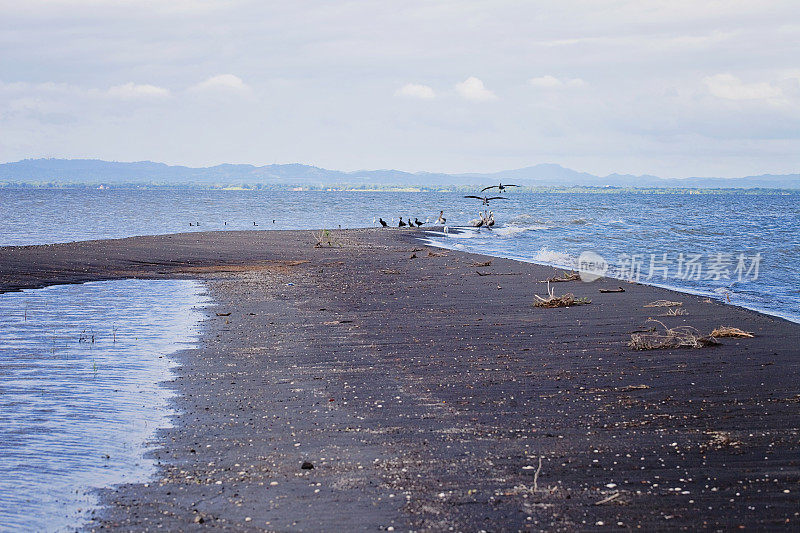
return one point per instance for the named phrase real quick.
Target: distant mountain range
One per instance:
(96, 172)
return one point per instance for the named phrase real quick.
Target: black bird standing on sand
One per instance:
(383, 222)
(500, 187)
(255, 224)
(417, 222)
(401, 224)
(485, 199)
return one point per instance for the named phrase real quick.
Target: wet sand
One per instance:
(426, 394)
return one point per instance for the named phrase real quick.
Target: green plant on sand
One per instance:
(324, 237)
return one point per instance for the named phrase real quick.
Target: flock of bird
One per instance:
(485, 218)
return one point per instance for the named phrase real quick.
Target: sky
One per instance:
(672, 88)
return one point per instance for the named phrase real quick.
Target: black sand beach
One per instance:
(429, 394)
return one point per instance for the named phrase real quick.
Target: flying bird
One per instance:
(485, 199)
(500, 187)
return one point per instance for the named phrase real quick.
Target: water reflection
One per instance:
(81, 392)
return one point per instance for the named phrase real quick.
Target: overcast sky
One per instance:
(672, 88)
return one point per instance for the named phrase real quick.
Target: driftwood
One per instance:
(620, 289)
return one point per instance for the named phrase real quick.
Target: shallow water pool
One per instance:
(81, 391)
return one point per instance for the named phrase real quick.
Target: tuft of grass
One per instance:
(678, 337)
(728, 331)
(324, 237)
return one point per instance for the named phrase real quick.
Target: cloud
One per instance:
(415, 90)
(551, 82)
(729, 87)
(129, 91)
(222, 82)
(474, 90)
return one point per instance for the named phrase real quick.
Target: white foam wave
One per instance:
(523, 220)
(508, 230)
(552, 257)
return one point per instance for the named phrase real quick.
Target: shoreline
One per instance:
(418, 238)
(673, 288)
(426, 394)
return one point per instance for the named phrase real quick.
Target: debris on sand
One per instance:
(664, 303)
(719, 440)
(484, 264)
(678, 337)
(728, 331)
(565, 276)
(565, 300)
(619, 289)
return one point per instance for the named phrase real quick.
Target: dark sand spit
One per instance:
(430, 397)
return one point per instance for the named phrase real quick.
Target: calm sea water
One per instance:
(628, 230)
(81, 396)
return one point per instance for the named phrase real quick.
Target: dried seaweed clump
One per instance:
(565, 276)
(565, 300)
(664, 303)
(728, 331)
(678, 337)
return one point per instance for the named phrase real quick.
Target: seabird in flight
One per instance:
(485, 199)
(500, 187)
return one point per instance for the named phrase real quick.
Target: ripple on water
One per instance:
(82, 391)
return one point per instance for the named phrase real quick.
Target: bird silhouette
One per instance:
(500, 187)
(383, 222)
(485, 199)
(401, 224)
